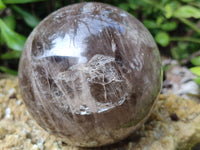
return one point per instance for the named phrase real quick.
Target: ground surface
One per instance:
(174, 124)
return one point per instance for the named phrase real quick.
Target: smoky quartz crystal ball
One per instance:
(90, 74)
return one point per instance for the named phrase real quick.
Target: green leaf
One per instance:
(124, 6)
(131, 1)
(168, 11)
(8, 71)
(20, 1)
(170, 8)
(150, 24)
(197, 80)
(31, 20)
(175, 53)
(133, 4)
(196, 61)
(10, 21)
(11, 55)
(169, 26)
(195, 70)
(155, 4)
(2, 6)
(180, 51)
(160, 20)
(162, 38)
(187, 12)
(13, 40)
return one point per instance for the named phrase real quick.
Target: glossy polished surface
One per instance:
(90, 74)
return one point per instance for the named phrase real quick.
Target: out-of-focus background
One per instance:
(174, 24)
(174, 124)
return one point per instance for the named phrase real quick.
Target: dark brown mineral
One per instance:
(90, 73)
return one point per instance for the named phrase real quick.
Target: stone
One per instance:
(180, 81)
(90, 73)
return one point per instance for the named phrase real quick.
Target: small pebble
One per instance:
(12, 96)
(11, 91)
(18, 102)
(174, 117)
(7, 113)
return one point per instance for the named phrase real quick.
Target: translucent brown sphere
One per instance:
(90, 73)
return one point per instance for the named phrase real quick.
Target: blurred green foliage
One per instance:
(196, 69)
(175, 25)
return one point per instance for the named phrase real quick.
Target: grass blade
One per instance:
(2, 6)
(31, 20)
(8, 71)
(10, 55)
(13, 40)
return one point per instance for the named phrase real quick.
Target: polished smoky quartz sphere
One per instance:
(90, 73)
